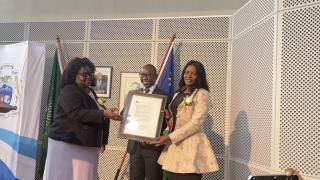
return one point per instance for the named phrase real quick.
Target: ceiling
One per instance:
(27, 10)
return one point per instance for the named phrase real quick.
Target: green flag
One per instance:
(166, 174)
(54, 91)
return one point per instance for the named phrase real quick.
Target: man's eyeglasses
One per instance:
(144, 75)
(85, 74)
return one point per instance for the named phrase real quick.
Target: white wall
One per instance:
(274, 99)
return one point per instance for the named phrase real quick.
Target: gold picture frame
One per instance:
(129, 81)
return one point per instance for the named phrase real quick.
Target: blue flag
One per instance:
(165, 83)
(165, 76)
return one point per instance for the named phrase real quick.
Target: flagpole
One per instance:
(173, 37)
(120, 165)
(61, 54)
(167, 65)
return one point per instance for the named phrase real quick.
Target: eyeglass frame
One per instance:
(86, 74)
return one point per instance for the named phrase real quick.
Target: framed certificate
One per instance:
(142, 116)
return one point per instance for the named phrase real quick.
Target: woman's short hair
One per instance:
(201, 72)
(73, 67)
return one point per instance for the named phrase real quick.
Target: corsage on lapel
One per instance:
(102, 100)
(187, 101)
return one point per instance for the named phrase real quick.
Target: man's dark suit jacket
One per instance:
(132, 144)
(78, 120)
(102, 86)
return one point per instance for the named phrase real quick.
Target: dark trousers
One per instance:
(190, 176)
(143, 164)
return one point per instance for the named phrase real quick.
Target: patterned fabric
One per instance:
(190, 150)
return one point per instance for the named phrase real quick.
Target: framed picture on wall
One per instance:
(103, 81)
(129, 81)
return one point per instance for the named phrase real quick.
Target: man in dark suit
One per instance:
(101, 85)
(143, 156)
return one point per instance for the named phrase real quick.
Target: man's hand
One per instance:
(102, 148)
(142, 142)
(117, 117)
(112, 113)
(161, 140)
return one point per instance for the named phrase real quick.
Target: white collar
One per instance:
(150, 88)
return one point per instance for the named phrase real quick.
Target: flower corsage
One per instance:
(102, 100)
(187, 101)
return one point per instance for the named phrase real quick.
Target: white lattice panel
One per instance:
(128, 55)
(123, 57)
(47, 31)
(109, 163)
(72, 50)
(299, 144)
(12, 32)
(252, 90)
(134, 29)
(251, 13)
(214, 56)
(219, 175)
(240, 171)
(294, 3)
(194, 28)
